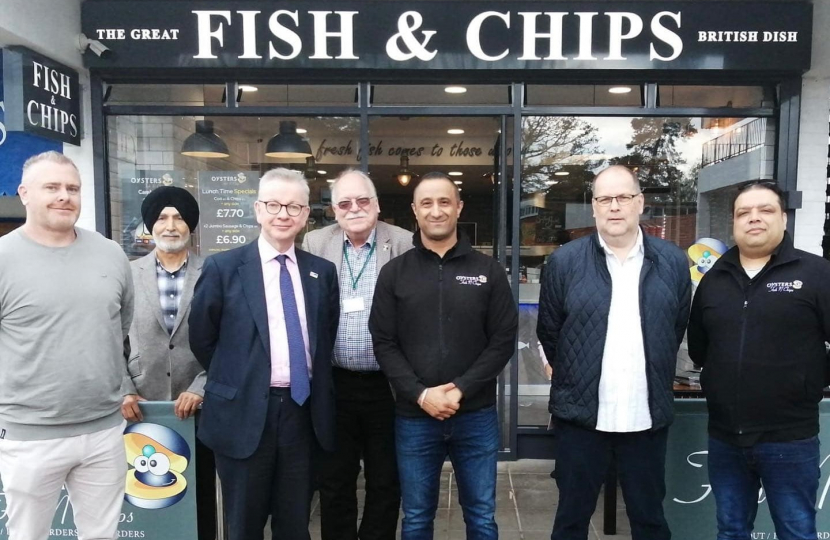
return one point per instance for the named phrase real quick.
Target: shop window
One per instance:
(584, 95)
(445, 94)
(716, 96)
(166, 94)
(688, 169)
(283, 95)
(403, 149)
(146, 152)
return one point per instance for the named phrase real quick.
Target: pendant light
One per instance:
(205, 143)
(404, 175)
(311, 171)
(287, 143)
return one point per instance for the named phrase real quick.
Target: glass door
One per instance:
(476, 156)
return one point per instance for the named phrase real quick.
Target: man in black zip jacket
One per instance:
(443, 325)
(759, 321)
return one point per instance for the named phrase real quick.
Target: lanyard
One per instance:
(355, 280)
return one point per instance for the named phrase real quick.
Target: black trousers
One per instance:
(276, 479)
(365, 428)
(205, 492)
(583, 457)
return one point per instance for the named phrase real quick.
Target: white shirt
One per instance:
(623, 387)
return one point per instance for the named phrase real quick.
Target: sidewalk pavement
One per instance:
(526, 499)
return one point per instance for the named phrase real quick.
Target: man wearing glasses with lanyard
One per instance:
(359, 246)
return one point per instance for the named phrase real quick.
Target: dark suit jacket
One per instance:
(229, 336)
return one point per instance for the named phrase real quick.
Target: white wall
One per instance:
(51, 27)
(813, 136)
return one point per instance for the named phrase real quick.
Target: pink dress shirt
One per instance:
(280, 369)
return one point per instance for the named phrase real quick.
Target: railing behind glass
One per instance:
(733, 143)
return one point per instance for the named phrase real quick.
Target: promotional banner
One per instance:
(689, 503)
(763, 36)
(226, 204)
(135, 186)
(160, 495)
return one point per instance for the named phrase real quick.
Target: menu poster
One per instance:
(135, 186)
(226, 203)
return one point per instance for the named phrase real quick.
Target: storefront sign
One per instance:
(42, 97)
(152, 510)
(226, 203)
(16, 148)
(460, 35)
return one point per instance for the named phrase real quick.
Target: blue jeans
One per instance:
(789, 473)
(471, 440)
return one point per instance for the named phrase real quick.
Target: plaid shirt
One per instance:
(171, 285)
(353, 347)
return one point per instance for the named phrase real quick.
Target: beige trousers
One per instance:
(93, 467)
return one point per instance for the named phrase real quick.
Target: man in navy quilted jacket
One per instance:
(612, 313)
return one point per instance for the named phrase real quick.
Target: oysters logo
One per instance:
(241, 178)
(167, 180)
(158, 456)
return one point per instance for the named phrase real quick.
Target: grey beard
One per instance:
(172, 246)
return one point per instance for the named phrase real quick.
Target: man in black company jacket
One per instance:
(443, 325)
(759, 321)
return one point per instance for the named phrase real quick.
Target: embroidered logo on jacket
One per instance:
(784, 286)
(478, 281)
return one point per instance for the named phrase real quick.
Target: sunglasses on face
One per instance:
(361, 202)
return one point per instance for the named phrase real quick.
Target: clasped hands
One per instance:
(442, 401)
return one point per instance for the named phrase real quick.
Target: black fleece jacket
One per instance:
(761, 344)
(437, 320)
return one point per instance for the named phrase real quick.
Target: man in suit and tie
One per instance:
(161, 366)
(359, 246)
(263, 324)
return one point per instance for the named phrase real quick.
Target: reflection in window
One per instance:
(716, 96)
(424, 94)
(604, 95)
(296, 95)
(145, 152)
(167, 94)
(687, 168)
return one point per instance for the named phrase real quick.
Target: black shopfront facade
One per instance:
(693, 96)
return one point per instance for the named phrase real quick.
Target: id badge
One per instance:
(351, 305)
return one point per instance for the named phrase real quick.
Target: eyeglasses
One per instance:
(622, 200)
(273, 207)
(361, 202)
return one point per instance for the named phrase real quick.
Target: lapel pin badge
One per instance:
(313, 274)
(385, 247)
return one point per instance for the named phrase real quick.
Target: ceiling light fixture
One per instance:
(248, 88)
(619, 90)
(205, 143)
(455, 89)
(455, 131)
(287, 143)
(404, 175)
(561, 173)
(330, 181)
(302, 131)
(310, 168)
(321, 171)
(455, 173)
(457, 182)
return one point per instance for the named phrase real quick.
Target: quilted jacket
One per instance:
(573, 321)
